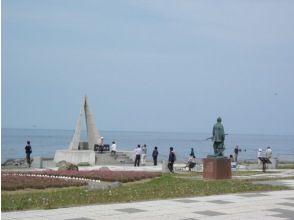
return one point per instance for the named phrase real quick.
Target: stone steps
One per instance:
(106, 159)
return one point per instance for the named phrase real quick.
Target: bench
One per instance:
(101, 148)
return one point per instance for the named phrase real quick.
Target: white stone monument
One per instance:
(79, 152)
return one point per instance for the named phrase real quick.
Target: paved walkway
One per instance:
(264, 205)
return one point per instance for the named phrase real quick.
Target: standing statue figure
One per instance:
(218, 138)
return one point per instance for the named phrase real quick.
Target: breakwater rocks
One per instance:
(15, 163)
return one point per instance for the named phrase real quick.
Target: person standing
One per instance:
(144, 154)
(236, 151)
(113, 149)
(28, 150)
(192, 154)
(268, 153)
(171, 159)
(155, 155)
(138, 153)
(259, 154)
(101, 141)
(101, 144)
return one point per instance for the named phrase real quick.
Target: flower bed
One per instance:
(15, 182)
(103, 175)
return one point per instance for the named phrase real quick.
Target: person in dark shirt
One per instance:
(236, 151)
(171, 159)
(28, 150)
(155, 155)
(192, 154)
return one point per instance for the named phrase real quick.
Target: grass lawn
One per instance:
(166, 186)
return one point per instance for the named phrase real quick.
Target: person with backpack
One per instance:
(155, 155)
(171, 159)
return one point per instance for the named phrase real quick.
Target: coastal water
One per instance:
(46, 141)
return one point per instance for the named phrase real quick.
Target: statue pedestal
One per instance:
(217, 168)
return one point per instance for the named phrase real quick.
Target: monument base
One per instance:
(75, 156)
(217, 168)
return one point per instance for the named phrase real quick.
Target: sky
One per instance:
(153, 65)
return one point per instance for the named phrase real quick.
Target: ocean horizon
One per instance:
(46, 141)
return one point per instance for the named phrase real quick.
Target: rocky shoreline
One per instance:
(20, 163)
(14, 163)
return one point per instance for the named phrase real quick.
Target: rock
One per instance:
(61, 163)
(102, 185)
(69, 166)
(14, 162)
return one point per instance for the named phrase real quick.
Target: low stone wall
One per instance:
(75, 156)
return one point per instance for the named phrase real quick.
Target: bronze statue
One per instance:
(218, 138)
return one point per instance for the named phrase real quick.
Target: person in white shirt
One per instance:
(144, 154)
(101, 141)
(101, 144)
(191, 162)
(113, 149)
(138, 153)
(268, 153)
(259, 154)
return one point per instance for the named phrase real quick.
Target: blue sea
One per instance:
(46, 141)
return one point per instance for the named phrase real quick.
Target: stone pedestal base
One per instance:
(75, 156)
(215, 169)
